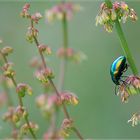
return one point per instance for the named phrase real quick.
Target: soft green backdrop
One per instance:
(100, 114)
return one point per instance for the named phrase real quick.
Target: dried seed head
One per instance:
(129, 87)
(107, 15)
(135, 119)
(6, 50)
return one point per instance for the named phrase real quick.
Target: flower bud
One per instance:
(25, 10)
(6, 50)
(23, 88)
(66, 127)
(25, 128)
(44, 48)
(68, 97)
(44, 75)
(8, 71)
(36, 17)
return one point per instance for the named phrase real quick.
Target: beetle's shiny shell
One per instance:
(117, 68)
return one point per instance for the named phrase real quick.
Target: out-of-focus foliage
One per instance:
(99, 114)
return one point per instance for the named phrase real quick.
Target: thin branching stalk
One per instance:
(124, 43)
(63, 63)
(20, 99)
(52, 83)
(9, 100)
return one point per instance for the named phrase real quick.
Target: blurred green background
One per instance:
(100, 114)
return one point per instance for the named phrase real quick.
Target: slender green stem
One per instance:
(53, 85)
(63, 63)
(20, 100)
(109, 3)
(124, 43)
(125, 48)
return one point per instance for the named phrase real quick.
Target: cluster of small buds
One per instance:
(130, 86)
(44, 75)
(8, 70)
(25, 13)
(70, 54)
(31, 33)
(45, 49)
(66, 127)
(36, 17)
(62, 10)
(19, 113)
(135, 119)
(22, 88)
(25, 127)
(25, 10)
(69, 98)
(107, 16)
(6, 50)
(15, 114)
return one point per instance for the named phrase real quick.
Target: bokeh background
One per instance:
(100, 114)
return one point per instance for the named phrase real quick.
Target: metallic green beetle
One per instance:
(118, 67)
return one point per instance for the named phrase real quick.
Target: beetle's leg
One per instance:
(116, 90)
(126, 67)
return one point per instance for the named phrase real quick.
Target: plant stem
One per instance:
(20, 99)
(125, 48)
(52, 83)
(9, 100)
(124, 43)
(63, 63)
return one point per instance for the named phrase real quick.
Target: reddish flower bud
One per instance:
(36, 17)
(69, 98)
(44, 74)
(44, 48)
